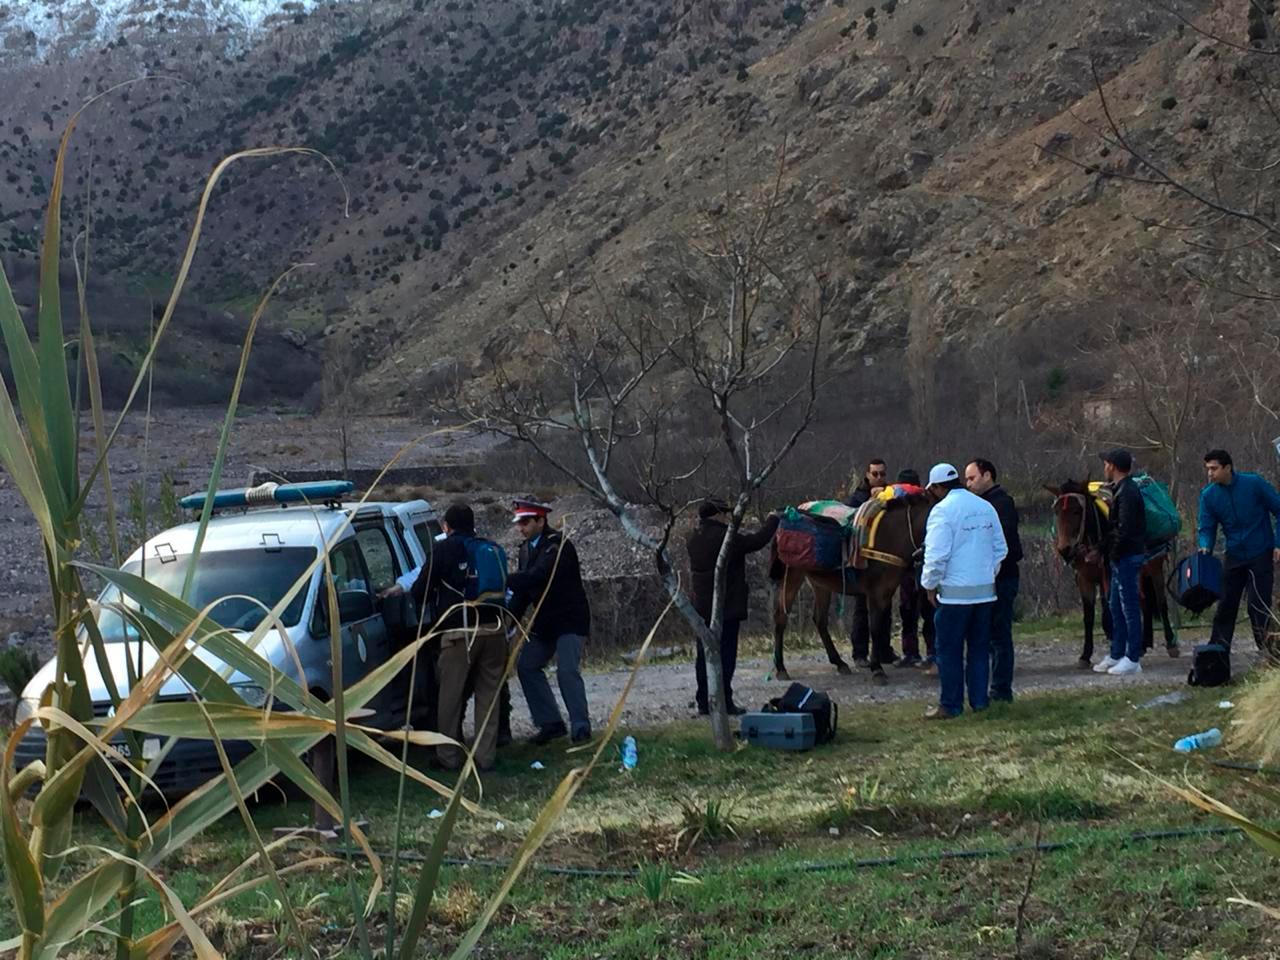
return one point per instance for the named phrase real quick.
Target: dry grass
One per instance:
(1257, 714)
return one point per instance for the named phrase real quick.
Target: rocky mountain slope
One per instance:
(487, 150)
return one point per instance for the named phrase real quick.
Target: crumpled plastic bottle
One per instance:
(630, 756)
(1199, 741)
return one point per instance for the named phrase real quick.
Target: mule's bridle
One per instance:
(1086, 513)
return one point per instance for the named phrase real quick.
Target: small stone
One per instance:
(874, 92)
(894, 180)
(1168, 103)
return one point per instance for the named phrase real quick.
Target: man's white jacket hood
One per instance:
(963, 548)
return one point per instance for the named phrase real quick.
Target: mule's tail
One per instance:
(777, 569)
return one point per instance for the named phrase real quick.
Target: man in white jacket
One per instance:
(963, 548)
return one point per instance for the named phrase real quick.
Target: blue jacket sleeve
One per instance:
(1207, 523)
(1271, 499)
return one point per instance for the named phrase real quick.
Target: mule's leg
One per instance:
(1088, 597)
(1148, 600)
(1170, 634)
(1162, 604)
(822, 621)
(880, 618)
(784, 596)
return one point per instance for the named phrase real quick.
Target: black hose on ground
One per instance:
(981, 853)
(1247, 767)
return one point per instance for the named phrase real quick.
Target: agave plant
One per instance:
(39, 450)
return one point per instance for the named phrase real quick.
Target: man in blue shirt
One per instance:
(1245, 506)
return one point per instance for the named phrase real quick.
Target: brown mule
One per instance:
(1080, 528)
(900, 536)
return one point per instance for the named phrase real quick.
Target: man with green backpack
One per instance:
(464, 586)
(1162, 524)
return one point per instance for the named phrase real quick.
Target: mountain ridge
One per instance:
(495, 151)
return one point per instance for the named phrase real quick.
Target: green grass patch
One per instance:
(775, 869)
(1051, 802)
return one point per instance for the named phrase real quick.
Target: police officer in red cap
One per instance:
(550, 580)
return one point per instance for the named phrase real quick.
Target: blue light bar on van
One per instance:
(318, 491)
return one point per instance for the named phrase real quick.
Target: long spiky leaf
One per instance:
(554, 807)
(180, 281)
(220, 455)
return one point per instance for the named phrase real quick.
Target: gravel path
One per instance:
(664, 691)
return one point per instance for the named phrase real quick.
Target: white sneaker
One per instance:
(1105, 664)
(1126, 668)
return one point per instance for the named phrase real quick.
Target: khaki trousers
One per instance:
(483, 667)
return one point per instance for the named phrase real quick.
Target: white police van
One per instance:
(261, 540)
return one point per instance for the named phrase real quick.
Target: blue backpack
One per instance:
(486, 571)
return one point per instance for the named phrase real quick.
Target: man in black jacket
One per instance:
(473, 647)
(916, 613)
(873, 481)
(703, 544)
(1126, 548)
(980, 477)
(550, 579)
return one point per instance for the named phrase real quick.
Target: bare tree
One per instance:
(1210, 370)
(1162, 379)
(707, 370)
(342, 367)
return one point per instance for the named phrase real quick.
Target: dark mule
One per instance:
(1081, 529)
(900, 535)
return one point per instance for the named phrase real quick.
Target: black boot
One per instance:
(504, 716)
(547, 734)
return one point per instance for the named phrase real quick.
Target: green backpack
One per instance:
(1163, 520)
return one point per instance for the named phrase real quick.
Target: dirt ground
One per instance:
(664, 691)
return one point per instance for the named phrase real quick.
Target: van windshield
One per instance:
(265, 576)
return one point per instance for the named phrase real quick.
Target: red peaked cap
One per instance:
(528, 508)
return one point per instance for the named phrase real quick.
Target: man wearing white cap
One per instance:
(963, 548)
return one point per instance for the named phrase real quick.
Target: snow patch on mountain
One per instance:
(35, 29)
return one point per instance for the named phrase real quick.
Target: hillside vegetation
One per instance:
(942, 159)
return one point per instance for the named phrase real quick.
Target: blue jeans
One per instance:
(963, 640)
(1002, 639)
(1126, 608)
(536, 654)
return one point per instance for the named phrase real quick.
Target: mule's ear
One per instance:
(1056, 491)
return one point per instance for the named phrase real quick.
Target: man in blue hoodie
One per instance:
(1245, 506)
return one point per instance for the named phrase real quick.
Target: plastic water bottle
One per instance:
(1199, 741)
(629, 755)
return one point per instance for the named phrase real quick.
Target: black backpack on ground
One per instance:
(802, 699)
(1210, 665)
